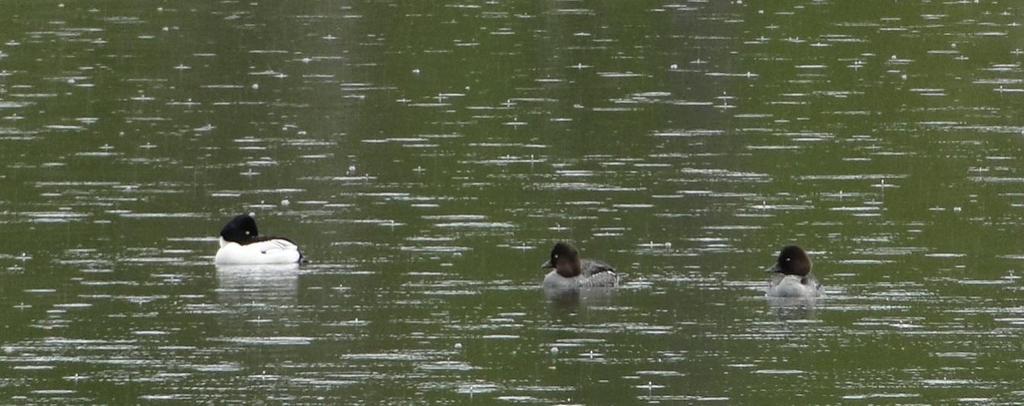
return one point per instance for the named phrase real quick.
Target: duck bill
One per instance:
(773, 268)
(546, 265)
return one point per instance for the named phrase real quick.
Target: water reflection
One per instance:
(794, 308)
(424, 153)
(572, 299)
(265, 284)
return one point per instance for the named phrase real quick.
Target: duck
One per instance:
(241, 244)
(792, 275)
(568, 271)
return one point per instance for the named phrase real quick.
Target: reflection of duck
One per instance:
(793, 276)
(793, 308)
(570, 299)
(570, 272)
(240, 243)
(258, 283)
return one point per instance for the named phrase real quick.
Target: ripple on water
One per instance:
(895, 395)
(265, 341)
(446, 366)
(703, 145)
(476, 388)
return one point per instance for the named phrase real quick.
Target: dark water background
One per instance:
(427, 154)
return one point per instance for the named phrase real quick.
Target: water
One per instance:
(426, 156)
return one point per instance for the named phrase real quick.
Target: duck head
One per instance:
(240, 229)
(792, 260)
(565, 260)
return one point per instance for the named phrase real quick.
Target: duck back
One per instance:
(593, 267)
(263, 252)
(595, 274)
(794, 286)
